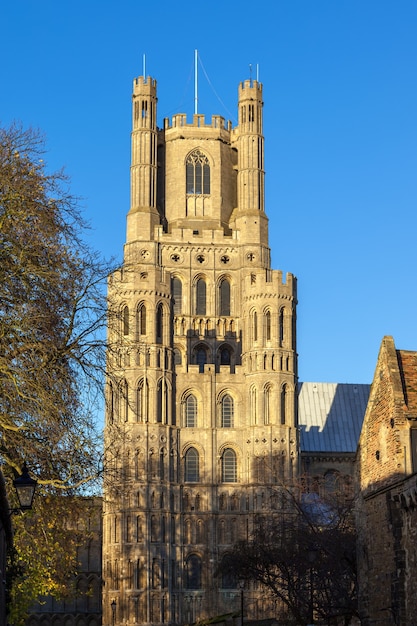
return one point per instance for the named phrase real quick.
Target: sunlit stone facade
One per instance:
(201, 420)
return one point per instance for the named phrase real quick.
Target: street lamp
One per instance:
(25, 488)
(312, 556)
(241, 587)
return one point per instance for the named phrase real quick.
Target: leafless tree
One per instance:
(52, 336)
(304, 556)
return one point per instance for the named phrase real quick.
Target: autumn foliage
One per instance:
(52, 349)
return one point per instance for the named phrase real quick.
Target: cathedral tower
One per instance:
(201, 422)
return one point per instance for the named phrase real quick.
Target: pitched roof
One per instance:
(330, 416)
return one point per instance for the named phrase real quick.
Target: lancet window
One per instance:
(227, 412)
(191, 473)
(200, 292)
(141, 319)
(177, 295)
(224, 297)
(190, 411)
(229, 466)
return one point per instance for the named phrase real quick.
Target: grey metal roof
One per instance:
(330, 416)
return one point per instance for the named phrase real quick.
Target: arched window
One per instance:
(267, 404)
(229, 466)
(281, 327)
(253, 399)
(177, 295)
(177, 356)
(141, 319)
(190, 411)
(255, 326)
(162, 407)
(142, 401)
(198, 173)
(229, 578)
(224, 297)
(225, 355)
(191, 467)
(227, 412)
(111, 400)
(193, 572)
(159, 323)
(201, 357)
(126, 321)
(200, 292)
(283, 404)
(331, 481)
(124, 401)
(268, 325)
(200, 531)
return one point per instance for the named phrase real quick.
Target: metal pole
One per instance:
(311, 616)
(241, 607)
(195, 82)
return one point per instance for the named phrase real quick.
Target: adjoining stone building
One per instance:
(387, 480)
(330, 418)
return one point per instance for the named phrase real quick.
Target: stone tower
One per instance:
(201, 425)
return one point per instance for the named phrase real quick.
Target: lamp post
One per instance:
(25, 489)
(312, 556)
(241, 587)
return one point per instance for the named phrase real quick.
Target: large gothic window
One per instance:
(229, 466)
(224, 297)
(198, 173)
(191, 473)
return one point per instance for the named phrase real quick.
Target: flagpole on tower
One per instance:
(195, 82)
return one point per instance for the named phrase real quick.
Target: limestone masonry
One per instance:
(201, 423)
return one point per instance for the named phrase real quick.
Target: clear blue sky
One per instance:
(340, 116)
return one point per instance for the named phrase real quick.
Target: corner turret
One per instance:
(143, 215)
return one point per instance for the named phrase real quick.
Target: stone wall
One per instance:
(386, 506)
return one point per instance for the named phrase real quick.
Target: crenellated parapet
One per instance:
(270, 283)
(141, 83)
